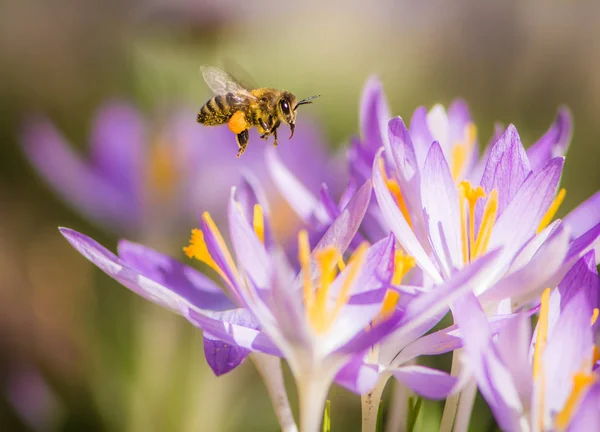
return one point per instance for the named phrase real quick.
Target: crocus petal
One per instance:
(109, 263)
(587, 417)
(183, 280)
(117, 145)
(304, 202)
(506, 169)
(519, 221)
(399, 226)
(251, 254)
(428, 382)
(249, 193)
(526, 283)
(513, 348)
(226, 326)
(222, 357)
(459, 118)
(555, 141)
(78, 184)
(493, 378)
(441, 210)
(445, 340)
(421, 135)
(374, 115)
(584, 216)
(345, 226)
(567, 350)
(437, 300)
(357, 376)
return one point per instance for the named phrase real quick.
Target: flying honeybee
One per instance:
(242, 108)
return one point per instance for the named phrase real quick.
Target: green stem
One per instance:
(269, 368)
(452, 401)
(370, 405)
(465, 406)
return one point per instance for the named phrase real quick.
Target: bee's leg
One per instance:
(263, 129)
(242, 141)
(274, 132)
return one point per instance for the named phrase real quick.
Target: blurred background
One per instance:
(79, 352)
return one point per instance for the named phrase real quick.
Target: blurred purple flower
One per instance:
(542, 381)
(144, 178)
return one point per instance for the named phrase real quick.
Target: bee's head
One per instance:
(286, 109)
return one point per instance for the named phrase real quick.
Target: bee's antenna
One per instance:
(306, 101)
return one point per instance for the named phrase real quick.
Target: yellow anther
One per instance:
(208, 220)
(594, 316)
(471, 248)
(304, 258)
(396, 192)
(582, 381)
(487, 223)
(542, 333)
(402, 265)
(259, 222)
(197, 249)
(549, 215)
(389, 305)
(320, 317)
(462, 150)
(341, 264)
(595, 355)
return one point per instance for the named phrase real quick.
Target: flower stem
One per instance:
(312, 394)
(269, 368)
(370, 405)
(451, 404)
(465, 406)
(398, 412)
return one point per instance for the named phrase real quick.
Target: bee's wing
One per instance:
(221, 82)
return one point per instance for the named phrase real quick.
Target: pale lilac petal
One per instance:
(527, 283)
(519, 221)
(459, 118)
(343, 229)
(437, 122)
(445, 340)
(109, 263)
(251, 254)
(179, 278)
(493, 378)
(438, 299)
(374, 116)
(304, 202)
(587, 417)
(513, 348)
(585, 216)
(227, 327)
(555, 141)
(374, 277)
(568, 348)
(429, 383)
(506, 169)
(221, 356)
(421, 135)
(76, 181)
(117, 145)
(249, 192)
(407, 174)
(357, 376)
(399, 226)
(441, 210)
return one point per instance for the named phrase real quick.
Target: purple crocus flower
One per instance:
(145, 179)
(543, 381)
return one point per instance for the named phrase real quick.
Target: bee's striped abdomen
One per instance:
(218, 110)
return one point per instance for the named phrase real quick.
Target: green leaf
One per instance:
(327, 417)
(379, 426)
(413, 413)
